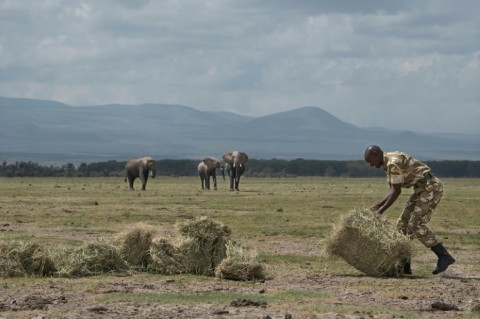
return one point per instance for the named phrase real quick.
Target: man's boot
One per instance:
(407, 269)
(444, 258)
(403, 267)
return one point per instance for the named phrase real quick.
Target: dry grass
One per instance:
(94, 258)
(199, 247)
(367, 243)
(240, 264)
(134, 245)
(20, 258)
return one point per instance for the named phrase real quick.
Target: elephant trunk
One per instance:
(153, 172)
(236, 167)
(223, 172)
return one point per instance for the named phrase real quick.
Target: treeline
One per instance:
(256, 168)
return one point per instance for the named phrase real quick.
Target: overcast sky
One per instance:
(400, 64)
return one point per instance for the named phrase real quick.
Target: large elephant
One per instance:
(206, 169)
(140, 167)
(235, 165)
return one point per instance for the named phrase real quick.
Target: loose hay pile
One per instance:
(92, 259)
(134, 245)
(365, 242)
(19, 259)
(199, 248)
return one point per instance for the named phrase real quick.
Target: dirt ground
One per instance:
(450, 295)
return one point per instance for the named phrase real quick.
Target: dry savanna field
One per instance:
(283, 219)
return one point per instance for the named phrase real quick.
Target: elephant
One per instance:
(207, 168)
(235, 165)
(140, 167)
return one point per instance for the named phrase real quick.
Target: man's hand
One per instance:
(392, 195)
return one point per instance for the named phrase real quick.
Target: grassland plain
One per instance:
(284, 219)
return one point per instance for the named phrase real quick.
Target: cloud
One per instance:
(369, 63)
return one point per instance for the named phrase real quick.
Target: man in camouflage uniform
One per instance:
(405, 171)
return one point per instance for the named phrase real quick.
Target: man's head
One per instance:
(374, 156)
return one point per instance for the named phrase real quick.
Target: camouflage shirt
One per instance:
(403, 169)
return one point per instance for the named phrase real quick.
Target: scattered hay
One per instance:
(365, 242)
(19, 259)
(134, 245)
(92, 259)
(240, 264)
(199, 248)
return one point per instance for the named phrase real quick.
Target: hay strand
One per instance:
(365, 242)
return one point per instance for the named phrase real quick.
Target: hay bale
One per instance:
(168, 258)
(366, 242)
(134, 244)
(18, 259)
(240, 264)
(198, 249)
(207, 247)
(92, 259)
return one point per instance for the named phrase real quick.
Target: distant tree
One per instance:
(83, 170)
(260, 168)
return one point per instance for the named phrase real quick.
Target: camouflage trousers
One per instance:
(419, 209)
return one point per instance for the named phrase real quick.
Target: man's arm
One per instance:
(393, 192)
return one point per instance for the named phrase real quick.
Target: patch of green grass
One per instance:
(360, 311)
(289, 258)
(213, 297)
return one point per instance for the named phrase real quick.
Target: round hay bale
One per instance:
(134, 244)
(19, 259)
(366, 242)
(92, 259)
(240, 264)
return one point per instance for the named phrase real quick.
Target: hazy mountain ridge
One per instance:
(117, 131)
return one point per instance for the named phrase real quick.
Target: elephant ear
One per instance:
(210, 162)
(151, 162)
(243, 157)
(228, 157)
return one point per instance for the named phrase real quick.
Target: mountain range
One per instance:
(49, 131)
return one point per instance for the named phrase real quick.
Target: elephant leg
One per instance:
(131, 179)
(144, 179)
(237, 181)
(214, 177)
(201, 181)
